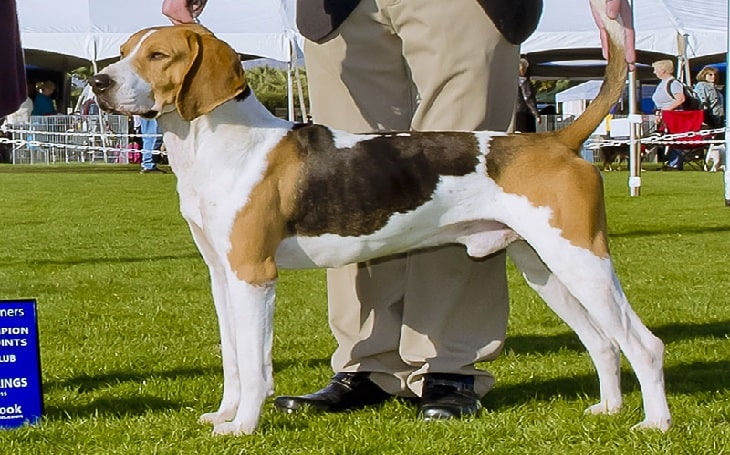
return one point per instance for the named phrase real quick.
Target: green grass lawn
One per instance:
(129, 341)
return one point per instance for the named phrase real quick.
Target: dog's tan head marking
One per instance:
(214, 74)
(180, 65)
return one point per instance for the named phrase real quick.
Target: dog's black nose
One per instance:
(100, 82)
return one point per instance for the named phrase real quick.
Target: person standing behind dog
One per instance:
(151, 141)
(413, 325)
(13, 90)
(526, 113)
(711, 99)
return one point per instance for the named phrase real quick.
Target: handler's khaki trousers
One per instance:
(423, 65)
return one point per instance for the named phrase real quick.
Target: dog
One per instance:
(260, 193)
(611, 154)
(715, 158)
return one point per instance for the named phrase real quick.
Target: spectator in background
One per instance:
(151, 142)
(43, 103)
(12, 77)
(526, 113)
(711, 100)
(668, 96)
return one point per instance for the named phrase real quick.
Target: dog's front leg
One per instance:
(604, 353)
(231, 382)
(219, 289)
(251, 312)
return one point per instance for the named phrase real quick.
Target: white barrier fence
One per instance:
(58, 139)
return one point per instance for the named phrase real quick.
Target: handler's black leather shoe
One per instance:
(448, 396)
(345, 391)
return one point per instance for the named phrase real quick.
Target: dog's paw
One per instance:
(662, 424)
(233, 429)
(603, 408)
(215, 418)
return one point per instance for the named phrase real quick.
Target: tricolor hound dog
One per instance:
(259, 193)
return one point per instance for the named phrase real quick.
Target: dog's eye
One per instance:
(156, 56)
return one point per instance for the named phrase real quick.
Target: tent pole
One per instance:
(681, 69)
(634, 149)
(727, 116)
(102, 118)
(298, 77)
(290, 91)
(290, 84)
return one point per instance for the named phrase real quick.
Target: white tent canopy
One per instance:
(574, 100)
(567, 32)
(93, 30)
(586, 91)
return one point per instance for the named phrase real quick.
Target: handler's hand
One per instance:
(620, 10)
(182, 11)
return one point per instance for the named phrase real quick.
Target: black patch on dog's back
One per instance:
(354, 191)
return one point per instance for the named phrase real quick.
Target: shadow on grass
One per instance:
(87, 168)
(688, 379)
(110, 405)
(113, 407)
(696, 377)
(668, 333)
(671, 230)
(88, 383)
(101, 260)
(282, 365)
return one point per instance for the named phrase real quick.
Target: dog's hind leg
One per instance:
(567, 229)
(592, 280)
(603, 352)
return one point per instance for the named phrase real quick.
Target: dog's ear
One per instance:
(215, 75)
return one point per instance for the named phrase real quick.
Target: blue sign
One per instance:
(21, 396)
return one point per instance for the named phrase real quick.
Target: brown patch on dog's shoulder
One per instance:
(551, 175)
(354, 191)
(263, 222)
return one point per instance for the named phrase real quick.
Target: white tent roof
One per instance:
(586, 91)
(567, 24)
(94, 29)
(660, 24)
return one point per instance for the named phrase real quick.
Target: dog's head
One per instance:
(181, 67)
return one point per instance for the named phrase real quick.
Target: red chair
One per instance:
(692, 148)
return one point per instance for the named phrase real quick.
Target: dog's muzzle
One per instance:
(101, 85)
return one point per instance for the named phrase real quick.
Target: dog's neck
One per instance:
(245, 110)
(252, 122)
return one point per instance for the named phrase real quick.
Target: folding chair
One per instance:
(691, 148)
